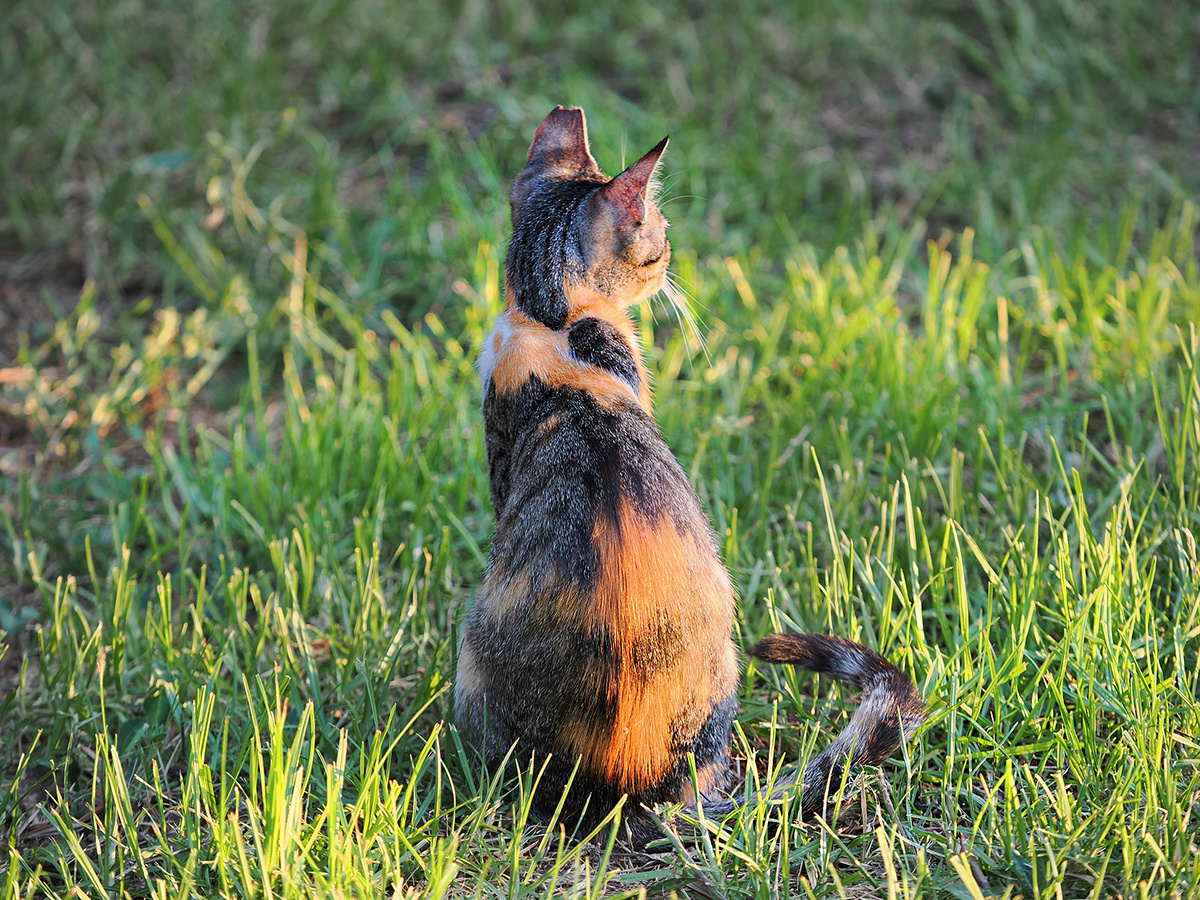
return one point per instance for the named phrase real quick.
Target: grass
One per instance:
(945, 261)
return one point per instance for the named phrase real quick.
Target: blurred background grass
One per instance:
(944, 256)
(388, 131)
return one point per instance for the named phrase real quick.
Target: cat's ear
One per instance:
(561, 144)
(559, 150)
(626, 194)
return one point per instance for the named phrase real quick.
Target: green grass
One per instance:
(944, 258)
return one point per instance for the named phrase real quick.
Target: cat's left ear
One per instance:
(560, 146)
(626, 194)
(559, 151)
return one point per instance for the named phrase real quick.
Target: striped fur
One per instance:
(600, 639)
(889, 711)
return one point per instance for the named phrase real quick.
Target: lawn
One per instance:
(942, 396)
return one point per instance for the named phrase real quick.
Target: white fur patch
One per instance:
(493, 346)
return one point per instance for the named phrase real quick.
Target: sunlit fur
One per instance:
(599, 646)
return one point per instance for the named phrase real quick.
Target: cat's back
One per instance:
(606, 610)
(573, 407)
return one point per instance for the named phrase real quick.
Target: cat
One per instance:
(600, 641)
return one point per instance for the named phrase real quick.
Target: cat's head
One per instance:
(573, 226)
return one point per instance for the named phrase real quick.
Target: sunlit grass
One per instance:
(242, 688)
(946, 403)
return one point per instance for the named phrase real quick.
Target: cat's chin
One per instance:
(653, 285)
(644, 291)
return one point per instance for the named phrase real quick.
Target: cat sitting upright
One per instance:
(600, 639)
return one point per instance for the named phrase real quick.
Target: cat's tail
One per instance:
(889, 711)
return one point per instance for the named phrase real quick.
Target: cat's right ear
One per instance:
(559, 150)
(626, 194)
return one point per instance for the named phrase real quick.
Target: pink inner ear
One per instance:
(627, 192)
(562, 140)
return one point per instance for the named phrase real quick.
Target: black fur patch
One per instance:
(545, 251)
(506, 418)
(712, 744)
(550, 484)
(822, 782)
(598, 342)
(596, 647)
(658, 648)
(526, 651)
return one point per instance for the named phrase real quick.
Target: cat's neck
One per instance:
(520, 347)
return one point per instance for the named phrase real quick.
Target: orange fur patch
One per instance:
(521, 347)
(653, 575)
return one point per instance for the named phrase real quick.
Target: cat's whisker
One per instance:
(659, 184)
(667, 201)
(654, 187)
(682, 303)
(664, 183)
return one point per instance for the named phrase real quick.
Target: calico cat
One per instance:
(600, 639)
